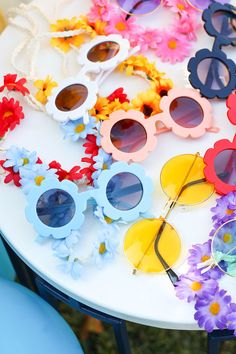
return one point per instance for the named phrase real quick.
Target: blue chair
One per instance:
(6, 269)
(29, 325)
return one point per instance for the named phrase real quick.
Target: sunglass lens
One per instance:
(138, 7)
(71, 97)
(225, 166)
(103, 51)
(224, 23)
(186, 112)
(55, 208)
(200, 4)
(124, 191)
(139, 245)
(128, 135)
(213, 74)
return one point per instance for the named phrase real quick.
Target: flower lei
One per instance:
(214, 307)
(172, 45)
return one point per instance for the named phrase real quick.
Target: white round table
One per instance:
(145, 299)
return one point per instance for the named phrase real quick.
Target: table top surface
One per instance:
(146, 299)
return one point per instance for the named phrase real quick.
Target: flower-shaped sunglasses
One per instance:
(73, 97)
(221, 165)
(231, 104)
(211, 71)
(144, 7)
(56, 208)
(153, 245)
(128, 136)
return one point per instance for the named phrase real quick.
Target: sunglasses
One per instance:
(144, 7)
(221, 165)
(223, 247)
(231, 104)
(128, 136)
(211, 71)
(153, 245)
(73, 97)
(56, 208)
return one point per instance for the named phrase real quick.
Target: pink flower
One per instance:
(174, 47)
(188, 26)
(179, 6)
(118, 24)
(101, 10)
(146, 38)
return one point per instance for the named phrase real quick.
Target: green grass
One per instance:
(143, 339)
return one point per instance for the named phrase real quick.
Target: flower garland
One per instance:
(172, 45)
(214, 307)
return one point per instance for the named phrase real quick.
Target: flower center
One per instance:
(227, 238)
(25, 161)
(181, 6)
(214, 308)
(108, 220)
(147, 110)
(205, 258)
(229, 212)
(172, 44)
(102, 248)
(105, 166)
(79, 128)
(38, 180)
(45, 86)
(120, 26)
(196, 286)
(7, 114)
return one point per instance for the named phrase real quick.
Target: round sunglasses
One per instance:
(144, 7)
(56, 208)
(223, 247)
(153, 245)
(221, 165)
(211, 71)
(128, 136)
(74, 97)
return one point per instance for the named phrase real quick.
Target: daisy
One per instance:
(45, 88)
(146, 38)
(11, 84)
(100, 110)
(225, 208)
(147, 102)
(105, 248)
(173, 47)
(11, 113)
(19, 157)
(72, 266)
(76, 129)
(118, 24)
(101, 9)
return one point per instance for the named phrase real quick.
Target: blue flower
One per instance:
(76, 129)
(225, 209)
(106, 246)
(34, 176)
(64, 248)
(19, 157)
(102, 162)
(72, 266)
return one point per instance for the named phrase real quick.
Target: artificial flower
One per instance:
(147, 102)
(76, 129)
(18, 157)
(72, 266)
(100, 110)
(120, 25)
(194, 285)
(105, 248)
(88, 171)
(212, 311)
(174, 47)
(64, 248)
(187, 26)
(11, 176)
(179, 6)
(65, 25)
(99, 27)
(45, 88)
(117, 105)
(225, 209)
(35, 176)
(73, 175)
(101, 9)
(118, 94)
(102, 161)
(11, 84)
(231, 318)
(91, 146)
(146, 38)
(11, 114)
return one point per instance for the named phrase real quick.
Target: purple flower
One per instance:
(212, 311)
(193, 285)
(225, 209)
(231, 318)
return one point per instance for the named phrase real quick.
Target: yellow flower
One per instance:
(116, 105)
(147, 102)
(44, 89)
(99, 27)
(162, 86)
(100, 110)
(70, 25)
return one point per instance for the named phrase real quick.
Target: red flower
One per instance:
(12, 176)
(91, 147)
(73, 175)
(118, 93)
(12, 85)
(10, 115)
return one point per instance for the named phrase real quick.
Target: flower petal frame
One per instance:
(196, 82)
(80, 200)
(100, 194)
(207, 17)
(64, 116)
(95, 67)
(231, 104)
(177, 129)
(209, 171)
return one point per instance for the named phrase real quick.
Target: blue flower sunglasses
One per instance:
(56, 208)
(211, 71)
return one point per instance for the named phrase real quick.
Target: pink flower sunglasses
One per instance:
(128, 136)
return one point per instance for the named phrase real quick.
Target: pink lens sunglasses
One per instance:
(128, 136)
